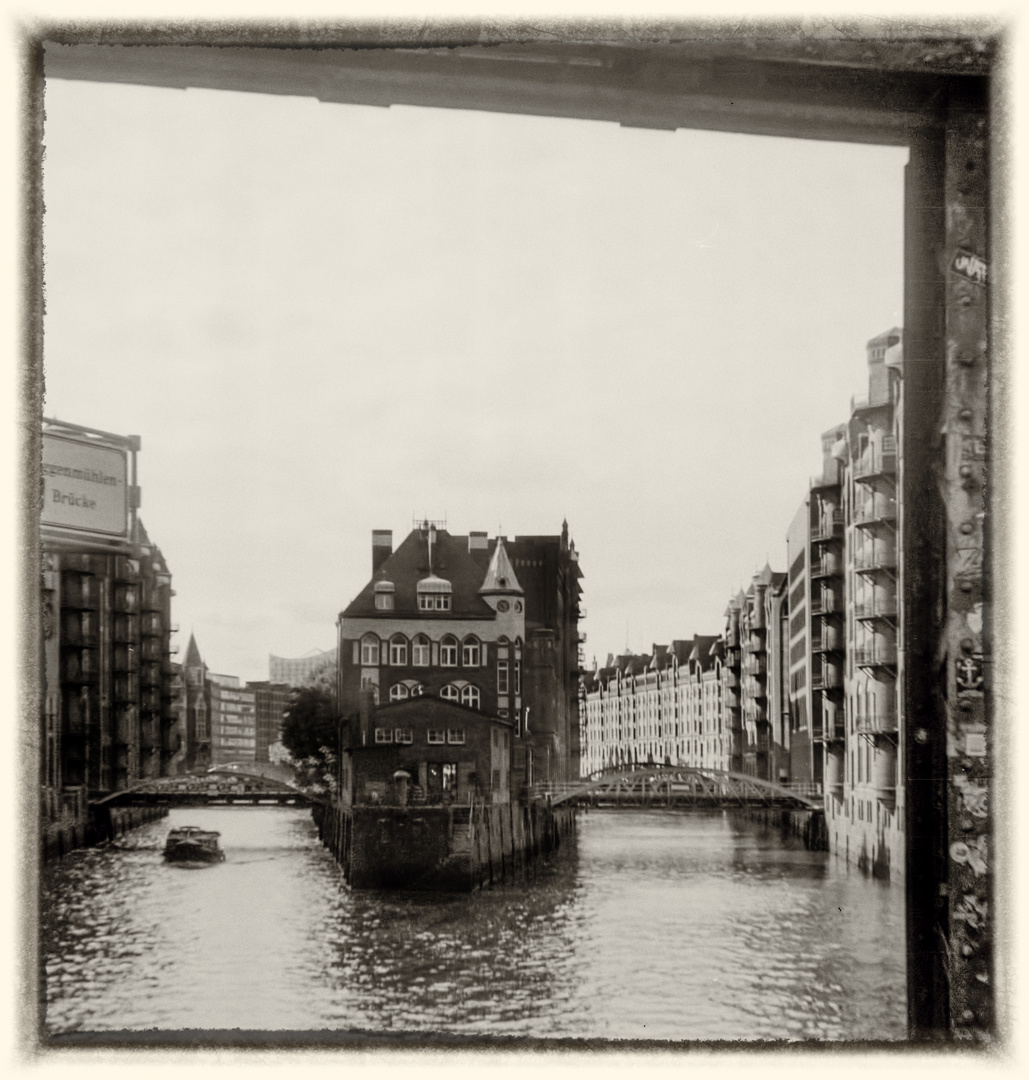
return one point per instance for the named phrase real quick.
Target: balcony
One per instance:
(755, 664)
(756, 714)
(834, 730)
(79, 628)
(151, 624)
(824, 604)
(79, 591)
(870, 516)
(756, 689)
(827, 566)
(150, 674)
(829, 678)
(829, 640)
(883, 607)
(876, 561)
(877, 465)
(881, 655)
(830, 527)
(126, 569)
(126, 687)
(81, 666)
(732, 679)
(875, 724)
(126, 628)
(126, 599)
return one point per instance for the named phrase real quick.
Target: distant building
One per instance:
(233, 721)
(662, 708)
(271, 702)
(303, 669)
(197, 707)
(485, 629)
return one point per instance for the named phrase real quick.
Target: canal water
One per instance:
(645, 925)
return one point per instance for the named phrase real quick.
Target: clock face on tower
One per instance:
(518, 605)
(502, 605)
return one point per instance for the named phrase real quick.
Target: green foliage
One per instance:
(310, 732)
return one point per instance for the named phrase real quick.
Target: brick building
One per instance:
(489, 627)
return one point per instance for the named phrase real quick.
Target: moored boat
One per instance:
(191, 844)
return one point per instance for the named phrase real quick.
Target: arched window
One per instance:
(448, 652)
(450, 693)
(417, 690)
(470, 696)
(470, 652)
(398, 651)
(420, 651)
(369, 650)
(398, 692)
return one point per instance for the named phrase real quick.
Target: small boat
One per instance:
(191, 844)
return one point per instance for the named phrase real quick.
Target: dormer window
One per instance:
(384, 591)
(434, 594)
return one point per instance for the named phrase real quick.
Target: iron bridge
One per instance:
(678, 785)
(216, 787)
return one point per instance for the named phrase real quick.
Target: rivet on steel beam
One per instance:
(965, 705)
(968, 1016)
(967, 644)
(966, 949)
(921, 736)
(965, 359)
(965, 471)
(966, 586)
(965, 414)
(967, 527)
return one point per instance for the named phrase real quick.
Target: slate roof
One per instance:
(466, 571)
(192, 658)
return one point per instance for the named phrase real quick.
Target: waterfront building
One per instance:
(271, 701)
(303, 670)
(760, 755)
(863, 791)
(661, 708)
(488, 627)
(106, 651)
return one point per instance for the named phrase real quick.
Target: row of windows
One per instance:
(471, 652)
(434, 736)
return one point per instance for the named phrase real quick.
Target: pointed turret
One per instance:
(192, 658)
(500, 577)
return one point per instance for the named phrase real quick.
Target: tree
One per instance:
(310, 732)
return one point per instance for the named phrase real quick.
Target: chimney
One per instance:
(382, 547)
(478, 541)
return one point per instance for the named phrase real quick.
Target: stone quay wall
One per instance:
(98, 825)
(455, 848)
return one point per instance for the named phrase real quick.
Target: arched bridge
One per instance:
(677, 785)
(216, 787)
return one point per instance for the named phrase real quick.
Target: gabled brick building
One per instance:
(489, 627)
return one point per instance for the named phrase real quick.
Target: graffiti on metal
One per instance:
(970, 266)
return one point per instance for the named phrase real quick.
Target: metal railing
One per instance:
(876, 723)
(882, 654)
(881, 607)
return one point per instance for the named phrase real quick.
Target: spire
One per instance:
(500, 577)
(192, 658)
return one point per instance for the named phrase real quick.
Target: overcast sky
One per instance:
(325, 319)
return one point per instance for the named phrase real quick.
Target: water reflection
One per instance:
(647, 925)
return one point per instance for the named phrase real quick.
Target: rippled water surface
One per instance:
(646, 925)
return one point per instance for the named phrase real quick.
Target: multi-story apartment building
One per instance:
(488, 627)
(106, 599)
(271, 701)
(864, 798)
(233, 719)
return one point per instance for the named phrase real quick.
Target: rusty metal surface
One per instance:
(969, 734)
